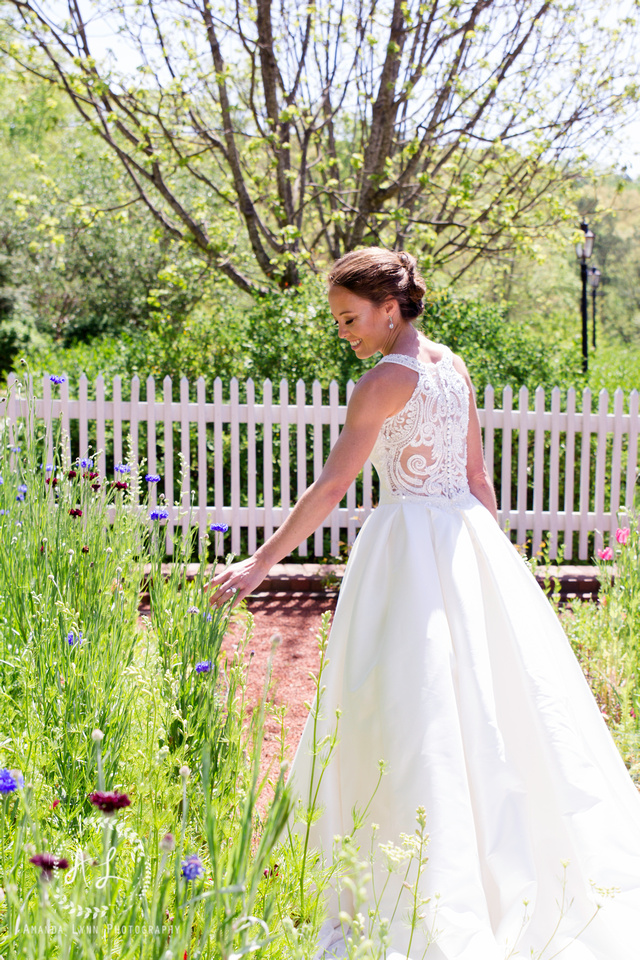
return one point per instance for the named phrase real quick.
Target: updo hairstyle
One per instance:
(375, 274)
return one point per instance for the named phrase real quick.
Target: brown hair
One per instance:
(374, 273)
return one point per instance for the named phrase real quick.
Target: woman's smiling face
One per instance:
(364, 324)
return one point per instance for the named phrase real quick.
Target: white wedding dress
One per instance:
(447, 661)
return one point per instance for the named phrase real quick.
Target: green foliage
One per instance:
(605, 639)
(497, 350)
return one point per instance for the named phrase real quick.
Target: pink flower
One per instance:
(622, 535)
(606, 554)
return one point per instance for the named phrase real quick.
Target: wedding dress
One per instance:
(448, 663)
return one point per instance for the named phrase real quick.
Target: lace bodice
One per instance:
(421, 452)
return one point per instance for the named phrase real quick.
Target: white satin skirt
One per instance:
(448, 663)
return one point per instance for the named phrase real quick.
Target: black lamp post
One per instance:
(584, 249)
(594, 280)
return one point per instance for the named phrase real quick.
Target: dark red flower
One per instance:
(52, 480)
(72, 474)
(120, 485)
(85, 549)
(109, 801)
(48, 863)
(55, 804)
(75, 512)
(95, 486)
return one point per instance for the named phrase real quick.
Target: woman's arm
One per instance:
(480, 482)
(380, 393)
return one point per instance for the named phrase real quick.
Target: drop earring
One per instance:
(390, 324)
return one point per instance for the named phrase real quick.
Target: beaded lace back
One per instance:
(422, 450)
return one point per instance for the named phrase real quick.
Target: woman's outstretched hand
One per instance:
(236, 581)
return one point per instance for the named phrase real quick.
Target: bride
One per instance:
(447, 662)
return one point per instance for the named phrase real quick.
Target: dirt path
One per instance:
(295, 618)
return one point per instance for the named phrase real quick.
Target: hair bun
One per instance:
(407, 262)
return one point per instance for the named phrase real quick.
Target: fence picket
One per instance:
(201, 395)
(301, 451)
(151, 438)
(632, 451)
(234, 416)
(134, 418)
(616, 460)
(601, 454)
(66, 431)
(218, 464)
(538, 468)
(47, 417)
(489, 435)
(100, 427)
(185, 451)
(316, 395)
(585, 469)
(267, 394)
(285, 470)
(334, 431)
(523, 463)
(117, 420)
(554, 473)
(569, 474)
(505, 478)
(252, 526)
(83, 416)
(167, 403)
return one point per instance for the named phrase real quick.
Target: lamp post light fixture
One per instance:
(594, 280)
(584, 249)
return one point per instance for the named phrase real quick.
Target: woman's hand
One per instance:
(237, 581)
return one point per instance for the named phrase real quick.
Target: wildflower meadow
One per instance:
(134, 821)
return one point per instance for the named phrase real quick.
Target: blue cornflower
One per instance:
(192, 610)
(15, 449)
(22, 488)
(58, 380)
(72, 639)
(122, 468)
(219, 527)
(152, 478)
(49, 467)
(20, 496)
(86, 463)
(203, 667)
(1, 481)
(192, 867)
(208, 617)
(10, 780)
(158, 514)
(2, 512)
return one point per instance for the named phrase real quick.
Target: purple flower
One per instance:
(15, 449)
(192, 867)
(203, 667)
(20, 496)
(57, 380)
(109, 801)
(122, 468)
(2, 512)
(22, 488)
(48, 863)
(1, 481)
(159, 514)
(86, 463)
(152, 478)
(192, 610)
(219, 527)
(71, 637)
(10, 780)
(49, 467)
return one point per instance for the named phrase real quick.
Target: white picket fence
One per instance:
(565, 472)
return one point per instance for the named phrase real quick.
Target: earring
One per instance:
(390, 324)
